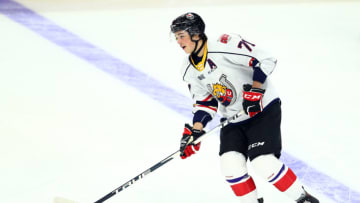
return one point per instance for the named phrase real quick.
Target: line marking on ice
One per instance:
(318, 181)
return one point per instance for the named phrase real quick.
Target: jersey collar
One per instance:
(201, 65)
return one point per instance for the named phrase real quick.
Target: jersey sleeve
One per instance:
(205, 105)
(245, 53)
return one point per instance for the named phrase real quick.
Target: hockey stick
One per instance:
(167, 159)
(156, 166)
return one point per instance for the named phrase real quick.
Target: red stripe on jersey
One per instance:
(212, 108)
(286, 181)
(244, 188)
(251, 62)
(207, 98)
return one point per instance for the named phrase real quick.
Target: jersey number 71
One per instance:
(246, 44)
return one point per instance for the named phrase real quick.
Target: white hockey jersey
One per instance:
(226, 66)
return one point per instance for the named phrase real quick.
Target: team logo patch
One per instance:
(223, 91)
(223, 94)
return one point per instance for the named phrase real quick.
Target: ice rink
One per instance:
(91, 95)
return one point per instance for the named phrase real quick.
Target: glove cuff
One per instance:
(258, 90)
(196, 131)
(249, 88)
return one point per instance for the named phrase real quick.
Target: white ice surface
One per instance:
(68, 129)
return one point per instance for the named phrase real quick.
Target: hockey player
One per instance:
(229, 75)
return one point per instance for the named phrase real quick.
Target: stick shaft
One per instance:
(139, 177)
(166, 160)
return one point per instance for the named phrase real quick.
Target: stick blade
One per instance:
(63, 200)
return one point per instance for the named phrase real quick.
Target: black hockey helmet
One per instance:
(190, 22)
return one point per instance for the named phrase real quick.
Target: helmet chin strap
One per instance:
(196, 45)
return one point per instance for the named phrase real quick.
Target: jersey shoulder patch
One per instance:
(228, 40)
(224, 38)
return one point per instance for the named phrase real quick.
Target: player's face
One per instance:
(184, 40)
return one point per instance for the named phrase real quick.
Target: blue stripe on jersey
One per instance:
(211, 103)
(238, 179)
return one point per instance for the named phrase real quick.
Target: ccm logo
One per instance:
(258, 144)
(252, 97)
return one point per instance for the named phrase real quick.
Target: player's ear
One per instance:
(195, 37)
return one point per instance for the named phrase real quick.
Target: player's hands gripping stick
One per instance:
(252, 103)
(187, 148)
